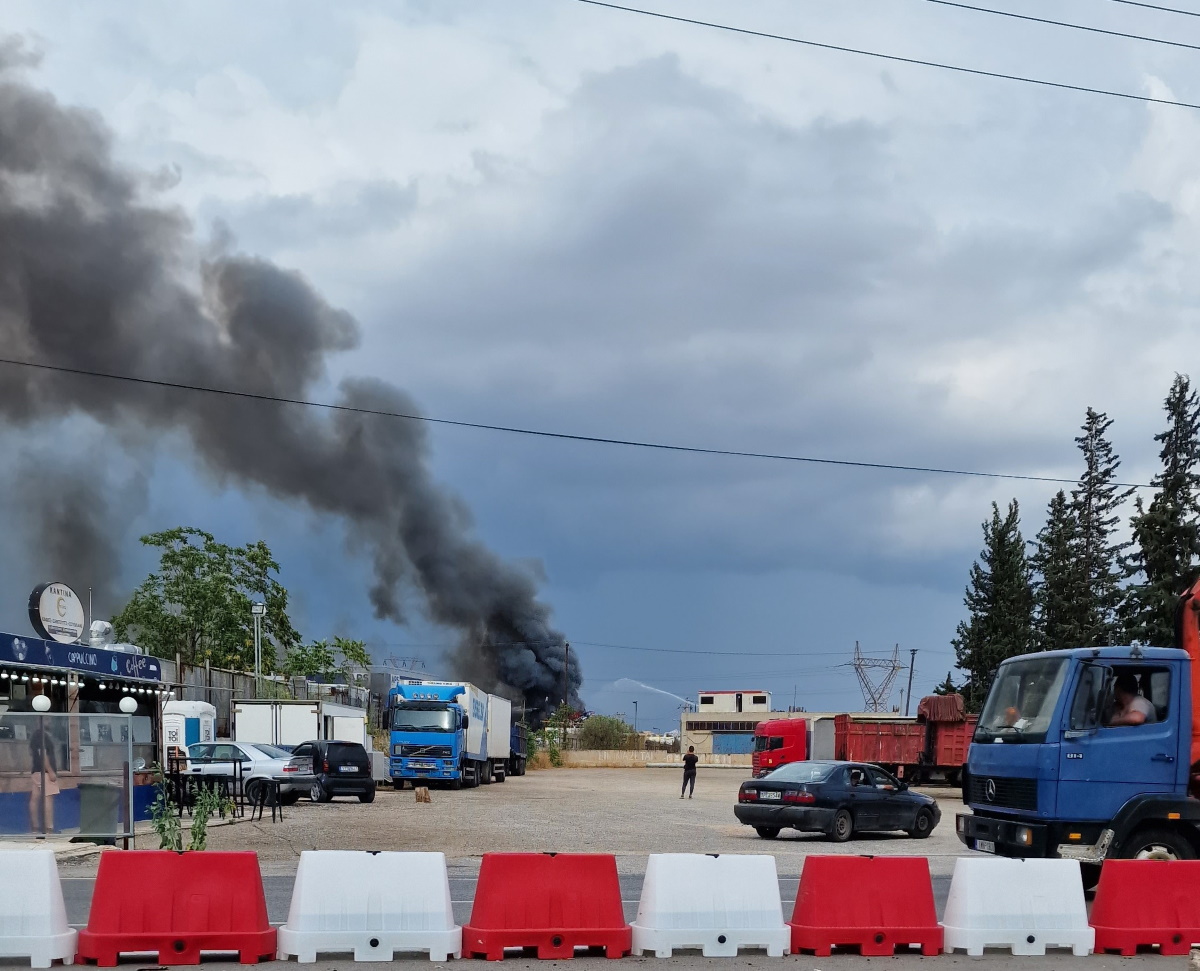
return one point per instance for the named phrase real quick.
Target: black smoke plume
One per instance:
(95, 276)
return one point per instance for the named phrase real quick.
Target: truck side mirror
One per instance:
(466, 721)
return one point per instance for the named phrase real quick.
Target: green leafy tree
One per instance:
(604, 732)
(315, 660)
(1166, 535)
(999, 602)
(947, 687)
(1095, 505)
(1059, 590)
(355, 657)
(197, 604)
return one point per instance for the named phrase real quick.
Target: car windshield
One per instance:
(422, 720)
(270, 751)
(802, 772)
(1022, 700)
(762, 743)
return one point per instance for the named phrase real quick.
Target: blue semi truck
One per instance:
(448, 732)
(1056, 770)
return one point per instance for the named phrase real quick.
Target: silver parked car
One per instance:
(258, 761)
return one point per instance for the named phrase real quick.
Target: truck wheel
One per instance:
(767, 832)
(501, 773)
(842, 827)
(520, 767)
(1158, 843)
(922, 826)
(485, 772)
(456, 784)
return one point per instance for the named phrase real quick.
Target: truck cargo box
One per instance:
(885, 742)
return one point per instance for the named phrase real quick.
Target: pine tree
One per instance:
(999, 601)
(1094, 505)
(1166, 547)
(947, 687)
(1058, 587)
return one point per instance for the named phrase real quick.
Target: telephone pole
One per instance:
(912, 660)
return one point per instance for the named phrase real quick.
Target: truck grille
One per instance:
(424, 751)
(1006, 794)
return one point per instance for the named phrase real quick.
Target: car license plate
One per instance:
(769, 796)
(347, 768)
(424, 766)
(985, 846)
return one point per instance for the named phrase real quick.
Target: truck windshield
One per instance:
(422, 720)
(1022, 700)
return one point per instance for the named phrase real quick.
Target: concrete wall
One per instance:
(616, 758)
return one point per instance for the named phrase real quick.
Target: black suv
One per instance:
(336, 769)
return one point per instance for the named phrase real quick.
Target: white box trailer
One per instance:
(499, 735)
(295, 722)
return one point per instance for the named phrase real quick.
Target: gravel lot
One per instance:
(628, 812)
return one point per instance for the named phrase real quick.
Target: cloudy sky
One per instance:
(556, 216)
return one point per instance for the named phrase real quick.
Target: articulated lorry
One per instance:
(1091, 754)
(447, 731)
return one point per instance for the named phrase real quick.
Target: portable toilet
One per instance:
(185, 722)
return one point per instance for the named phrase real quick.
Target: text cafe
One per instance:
(116, 694)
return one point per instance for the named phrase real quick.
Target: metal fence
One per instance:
(72, 775)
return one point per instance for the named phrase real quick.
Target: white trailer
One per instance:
(499, 735)
(296, 722)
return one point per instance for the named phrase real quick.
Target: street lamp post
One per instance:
(635, 718)
(258, 609)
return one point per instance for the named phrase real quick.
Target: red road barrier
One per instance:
(177, 904)
(1141, 903)
(873, 903)
(551, 902)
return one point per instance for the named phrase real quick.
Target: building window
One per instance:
(760, 699)
(746, 728)
(707, 699)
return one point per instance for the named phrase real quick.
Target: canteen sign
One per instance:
(56, 613)
(78, 657)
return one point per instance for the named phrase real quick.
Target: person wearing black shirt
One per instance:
(689, 771)
(44, 773)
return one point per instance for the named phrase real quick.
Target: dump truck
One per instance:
(1090, 754)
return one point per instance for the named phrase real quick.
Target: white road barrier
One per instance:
(374, 904)
(1025, 906)
(718, 904)
(33, 917)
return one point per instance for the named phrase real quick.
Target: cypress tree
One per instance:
(1094, 505)
(1058, 588)
(999, 602)
(1166, 536)
(947, 687)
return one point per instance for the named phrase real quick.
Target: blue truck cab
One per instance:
(428, 739)
(1047, 775)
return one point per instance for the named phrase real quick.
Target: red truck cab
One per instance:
(778, 742)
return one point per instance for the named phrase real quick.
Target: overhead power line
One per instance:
(892, 57)
(1064, 23)
(543, 433)
(1154, 6)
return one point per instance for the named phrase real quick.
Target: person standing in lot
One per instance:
(689, 772)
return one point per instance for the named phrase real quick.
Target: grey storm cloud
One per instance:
(95, 277)
(707, 275)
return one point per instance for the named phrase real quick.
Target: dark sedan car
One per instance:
(838, 799)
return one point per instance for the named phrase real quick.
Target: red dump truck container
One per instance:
(778, 742)
(949, 742)
(890, 743)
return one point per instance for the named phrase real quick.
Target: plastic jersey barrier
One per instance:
(33, 918)
(178, 905)
(1144, 903)
(1025, 906)
(551, 902)
(719, 904)
(373, 904)
(875, 904)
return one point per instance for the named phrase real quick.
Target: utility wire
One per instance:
(1064, 23)
(542, 433)
(1154, 6)
(893, 57)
